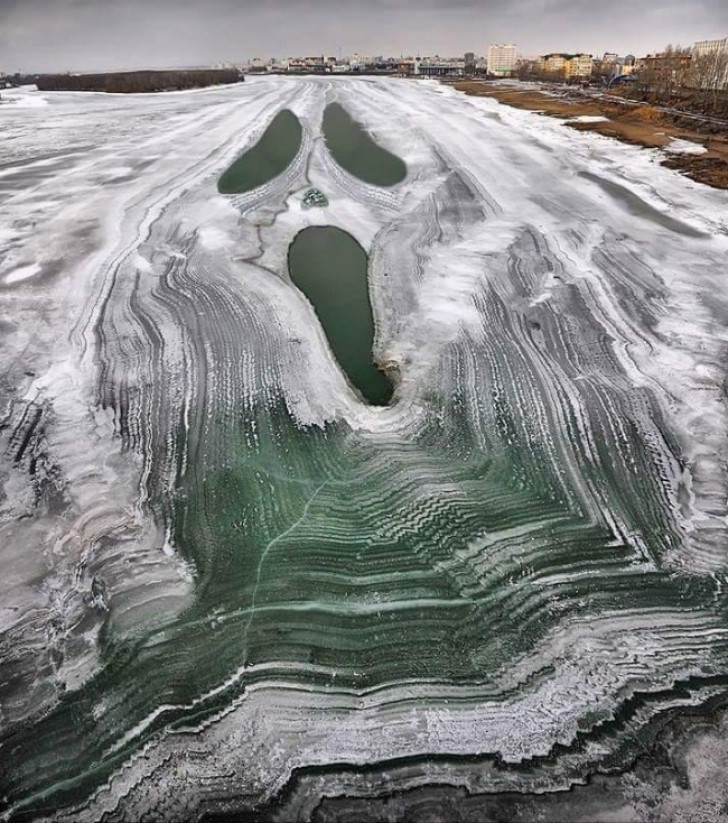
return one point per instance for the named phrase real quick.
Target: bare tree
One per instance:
(665, 75)
(709, 76)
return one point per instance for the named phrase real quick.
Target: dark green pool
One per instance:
(354, 150)
(330, 268)
(267, 158)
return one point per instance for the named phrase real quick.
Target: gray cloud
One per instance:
(83, 35)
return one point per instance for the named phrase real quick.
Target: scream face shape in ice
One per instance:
(327, 264)
(232, 585)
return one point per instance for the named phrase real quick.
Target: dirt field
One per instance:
(639, 125)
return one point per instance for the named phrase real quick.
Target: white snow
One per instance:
(677, 146)
(23, 97)
(22, 273)
(589, 118)
(603, 219)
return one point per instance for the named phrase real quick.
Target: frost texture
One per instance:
(229, 584)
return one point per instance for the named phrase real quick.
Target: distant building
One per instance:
(440, 67)
(469, 62)
(502, 59)
(668, 69)
(528, 67)
(610, 57)
(703, 47)
(406, 67)
(568, 65)
(553, 63)
(579, 65)
(711, 63)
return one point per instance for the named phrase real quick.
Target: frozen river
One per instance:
(230, 585)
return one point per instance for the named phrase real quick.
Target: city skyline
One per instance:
(87, 35)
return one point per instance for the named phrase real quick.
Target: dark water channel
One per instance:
(330, 268)
(267, 158)
(354, 150)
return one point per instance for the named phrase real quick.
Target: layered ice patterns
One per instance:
(230, 584)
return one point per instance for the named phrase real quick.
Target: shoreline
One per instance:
(700, 153)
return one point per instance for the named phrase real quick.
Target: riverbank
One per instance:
(698, 150)
(136, 82)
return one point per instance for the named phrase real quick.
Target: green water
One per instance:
(302, 560)
(330, 268)
(355, 151)
(270, 156)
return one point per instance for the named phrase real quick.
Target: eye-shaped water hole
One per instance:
(270, 156)
(355, 151)
(330, 268)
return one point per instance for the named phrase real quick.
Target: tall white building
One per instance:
(502, 59)
(715, 74)
(703, 47)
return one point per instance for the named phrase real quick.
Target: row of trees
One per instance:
(531, 70)
(680, 74)
(676, 76)
(666, 74)
(130, 82)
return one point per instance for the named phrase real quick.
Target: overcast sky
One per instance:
(85, 35)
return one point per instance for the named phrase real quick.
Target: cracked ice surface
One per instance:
(228, 583)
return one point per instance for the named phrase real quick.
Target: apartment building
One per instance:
(502, 59)
(579, 65)
(703, 47)
(710, 62)
(568, 65)
(553, 63)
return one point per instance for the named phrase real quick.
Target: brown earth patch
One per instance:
(637, 125)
